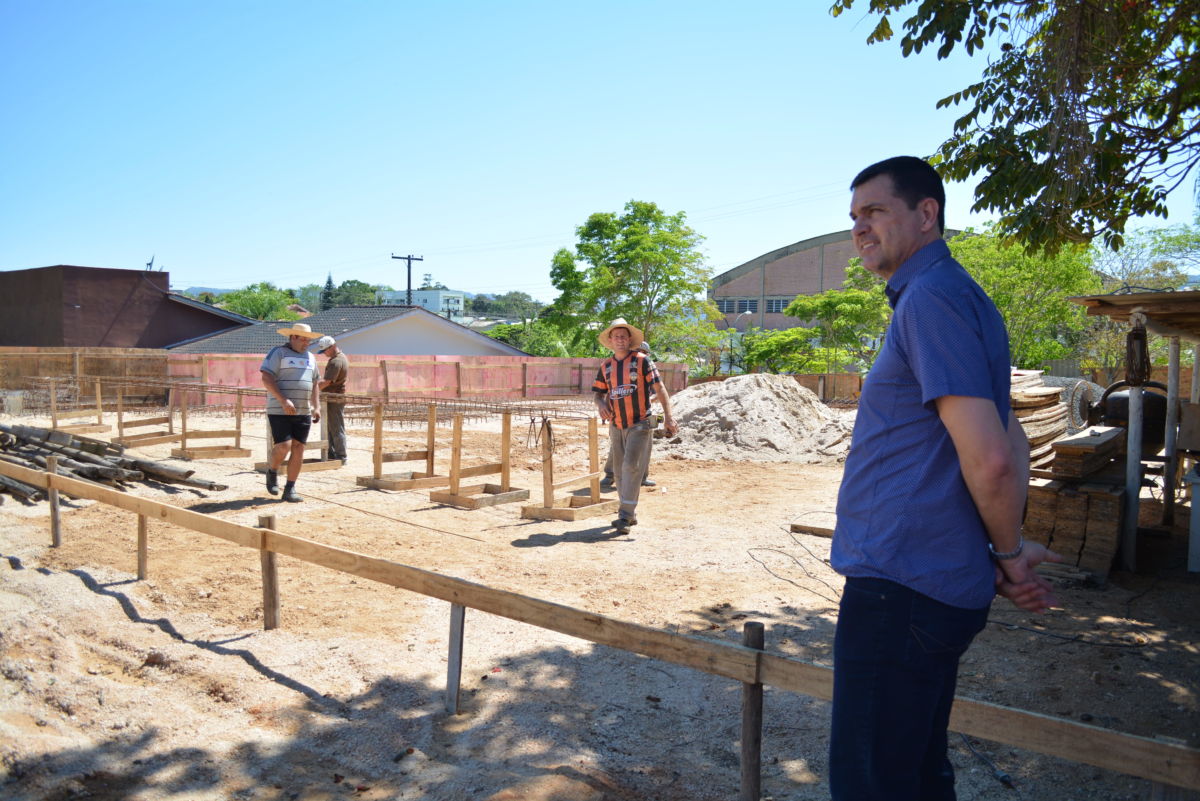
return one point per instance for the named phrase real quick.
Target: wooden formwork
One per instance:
(477, 496)
(410, 479)
(209, 451)
(572, 507)
(155, 437)
(77, 428)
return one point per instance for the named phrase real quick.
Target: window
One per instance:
(776, 305)
(747, 305)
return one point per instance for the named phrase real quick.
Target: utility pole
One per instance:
(410, 259)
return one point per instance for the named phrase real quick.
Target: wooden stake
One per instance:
(54, 403)
(99, 405)
(183, 415)
(594, 457)
(52, 495)
(120, 411)
(430, 439)
(456, 454)
(752, 719)
(547, 465)
(270, 579)
(378, 454)
(505, 451)
(458, 614)
(143, 547)
(237, 415)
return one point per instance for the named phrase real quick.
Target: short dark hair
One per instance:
(914, 180)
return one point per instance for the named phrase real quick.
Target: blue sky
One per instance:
(262, 140)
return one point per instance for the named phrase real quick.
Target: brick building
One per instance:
(756, 293)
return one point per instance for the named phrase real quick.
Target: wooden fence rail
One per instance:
(1160, 762)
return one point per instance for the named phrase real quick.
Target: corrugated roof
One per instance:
(263, 336)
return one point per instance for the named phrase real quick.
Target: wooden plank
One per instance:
(816, 531)
(404, 456)
(152, 438)
(477, 496)
(307, 466)
(211, 434)
(1096, 438)
(480, 470)
(711, 656)
(85, 428)
(148, 421)
(393, 482)
(211, 452)
(562, 510)
(570, 481)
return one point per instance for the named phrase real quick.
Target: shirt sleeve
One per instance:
(942, 341)
(600, 385)
(270, 362)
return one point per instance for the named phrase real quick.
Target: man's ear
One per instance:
(929, 213)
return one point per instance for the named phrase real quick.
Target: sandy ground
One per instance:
(170, 689)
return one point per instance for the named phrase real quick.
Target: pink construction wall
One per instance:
(499, 377)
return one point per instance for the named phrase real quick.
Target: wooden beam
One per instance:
(270, 579)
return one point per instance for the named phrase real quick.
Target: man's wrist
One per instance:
(1013, 554)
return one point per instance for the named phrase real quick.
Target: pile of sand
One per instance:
(757, 418)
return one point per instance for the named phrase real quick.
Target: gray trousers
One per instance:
(608, 463)
(335, 429)
(629, 449)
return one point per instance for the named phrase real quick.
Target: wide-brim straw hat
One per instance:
(300, 330)
(636, 337)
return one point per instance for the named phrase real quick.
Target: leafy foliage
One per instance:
(536, 337)
(1031, 293)
(261, 301)
(851, 321)
(642, 265)
(1087, 115)
(510, 304)
(327, 294)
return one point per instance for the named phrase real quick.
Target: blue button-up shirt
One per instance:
(904, 511)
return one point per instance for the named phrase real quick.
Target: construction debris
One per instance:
(86, 459)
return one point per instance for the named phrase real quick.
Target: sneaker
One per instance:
(649, 482)
(290, 495)
(272, 482)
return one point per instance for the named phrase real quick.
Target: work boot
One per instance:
(622, 524)
(272, 482)
(289, 493)
(649, 482)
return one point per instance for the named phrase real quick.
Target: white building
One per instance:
(442, 302)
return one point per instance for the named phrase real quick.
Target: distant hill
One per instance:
(195, 291)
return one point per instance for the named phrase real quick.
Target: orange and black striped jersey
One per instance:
(627, 384)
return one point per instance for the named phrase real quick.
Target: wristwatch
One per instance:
(1013, 554)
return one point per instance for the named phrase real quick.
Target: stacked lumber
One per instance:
(85, 459)
(1041, 412)
(1080, 521)
(1088, 452)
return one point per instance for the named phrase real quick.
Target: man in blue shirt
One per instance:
(930, 507)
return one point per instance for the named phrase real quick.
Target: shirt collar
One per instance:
(916, 264)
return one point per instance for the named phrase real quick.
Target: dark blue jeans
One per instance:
(895, 665)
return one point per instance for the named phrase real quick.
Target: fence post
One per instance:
(454, 658)
(142, 547)
(270, 579)
(52, 496)
(752, 718)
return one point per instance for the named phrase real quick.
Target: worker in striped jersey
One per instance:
(623, 387)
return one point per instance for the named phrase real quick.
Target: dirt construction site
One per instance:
(170, 686)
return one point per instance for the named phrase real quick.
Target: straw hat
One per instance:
(636, 337)
(299, 330)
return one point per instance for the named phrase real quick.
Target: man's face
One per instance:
(298, 343)
(886, 231)
(619, 338)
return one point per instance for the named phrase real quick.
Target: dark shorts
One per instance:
(289, 426)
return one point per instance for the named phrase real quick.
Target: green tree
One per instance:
(1085, 115)
(309, 296)
(518, 304)
(791, 350)
(1151, 260)
(261, 301)
(1031, 292)
(429, 283)
(537, 338)
(851, 320)
(642, 265)
(354, 293)
(327, 294)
